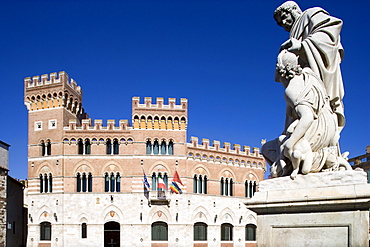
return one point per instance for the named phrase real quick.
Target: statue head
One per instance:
(287, 66)
(286, 14)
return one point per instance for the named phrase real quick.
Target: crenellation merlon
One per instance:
(52, 79)
(227, 147)
(148, 103)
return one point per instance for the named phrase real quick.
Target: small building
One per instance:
(13, 222)
(362, 161)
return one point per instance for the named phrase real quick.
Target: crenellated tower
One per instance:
(52, 101)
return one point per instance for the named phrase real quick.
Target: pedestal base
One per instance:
(321, 209)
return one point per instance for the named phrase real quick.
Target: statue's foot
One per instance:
(294, 174)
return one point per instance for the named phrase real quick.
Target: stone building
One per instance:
(86, 183)
(13, 223)
(362, 161)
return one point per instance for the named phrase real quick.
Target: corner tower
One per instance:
(52, 100)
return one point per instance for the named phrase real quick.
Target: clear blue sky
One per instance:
(220, 55)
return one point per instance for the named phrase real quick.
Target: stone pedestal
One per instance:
(318, 209)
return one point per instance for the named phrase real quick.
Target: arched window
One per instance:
(115, 147)
(156, 147)
(80, 146)
(43, 151)
(195, 184)
(154, 181)
(118, 182)
(106, 182)
(200, 231)
(222, 186)
(87, 146)
(41, 183)
(231, 187)
(78, 181)
(45, 230)
(159, 231)
(226, 232)
(89, 180)
(165, 180)
(109, 146)
(50, 183)
(200, 184)
(254, 187)
(250, 232)
(46, 183)
(83, 230)
(149, 149)
(163, 148)
(112, 182)
(226, 187)
(84, 182)
(170, 148)
(48, 148)
(205, 184)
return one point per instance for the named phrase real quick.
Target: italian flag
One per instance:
(161, 184)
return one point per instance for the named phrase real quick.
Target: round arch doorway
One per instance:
(111, 234)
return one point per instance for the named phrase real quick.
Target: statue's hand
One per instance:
(296, 46)
(292, 45)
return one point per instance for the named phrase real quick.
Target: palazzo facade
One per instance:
(86, 183)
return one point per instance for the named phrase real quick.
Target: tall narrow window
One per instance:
(195, 184)
(231, 187)
(200, 231)
(222, 186)
(156, 147)
(170, 148)
(45, 231)
(43, 151)
(165, 180)
(80, 146)
(106, 182)
(83, 230)
(87, 146)
(115, 147)
(78, 178)
(118, 184)
(226, 232)
(154, 181)
(148, 147)
(163, 148)
(41, 183)
(112, 182)
(109, 146)
(200, 184)
(48, 148)
(50, 183)
(246, 185)
(46, 183)
(250, 189)
(84, 184)
(89, 180)
(226, 186)
(254, 187)
(205, 185)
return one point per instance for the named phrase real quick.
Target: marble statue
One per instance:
(309, 68)
(309, 142)
(315, 37)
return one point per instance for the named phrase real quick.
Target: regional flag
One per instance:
(161, 184)
(176, 178)
(146, 183)
(175, 188)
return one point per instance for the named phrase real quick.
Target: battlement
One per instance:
(55, 78)
(148, 103)
(236, 148)
(86, 124)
